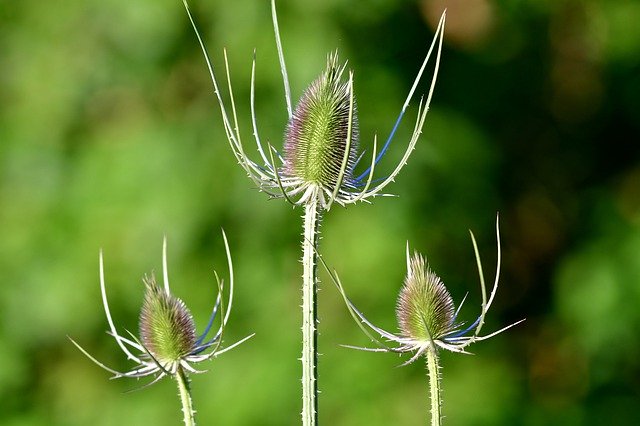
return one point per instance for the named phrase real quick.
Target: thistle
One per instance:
(317, 167)
(168, 344)
(428, 319)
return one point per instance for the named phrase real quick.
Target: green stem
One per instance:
(309, 357)
(185, 397)
(434, 385)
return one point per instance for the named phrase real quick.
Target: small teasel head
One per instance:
(425, 309)
(168, 343)
(167, 329)
(322, 133)
(427, 316)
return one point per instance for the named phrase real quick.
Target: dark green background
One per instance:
(110, 137)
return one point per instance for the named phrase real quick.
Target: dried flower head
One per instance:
(320, 148)
(426, 313)
(168, 341)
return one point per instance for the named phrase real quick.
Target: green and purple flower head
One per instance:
(168, 341)
(426, 313)
(321, 140)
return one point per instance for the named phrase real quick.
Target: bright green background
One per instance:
(110, 137)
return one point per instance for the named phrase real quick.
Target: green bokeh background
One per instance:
(110, 137)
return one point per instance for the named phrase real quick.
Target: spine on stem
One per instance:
(433, 368)
(309, 316)
(185, 397)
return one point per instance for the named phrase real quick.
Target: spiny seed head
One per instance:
(425, 309)
(316, 136)
(167, 329)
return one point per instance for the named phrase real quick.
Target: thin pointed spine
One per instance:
(233, 102)
(107, 312)
(219, 305)
(214, 81)
(253, 114)
(228, 348)
(212, 318)
(483, 287)
(185, 397)
(355, 313)
(127, 341)
(283, 67)
(361, 348)
(241, 158)
(278, 179)
(224, 313)
(433, 368)
(490, 335)
(165, 269)
(439, 29)
(249, 165)
(420, 122)
(309, 356)
(408, 255)
(151, 383)
(498, 263)
(364, 191)
(231, 276)
(94, 360)
(440, 32)
(455, 315)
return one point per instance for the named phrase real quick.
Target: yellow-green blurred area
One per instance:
(111, 137)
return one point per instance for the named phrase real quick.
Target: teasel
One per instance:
(168, 344)
(427, 319)
(317, 166)
(333, 146)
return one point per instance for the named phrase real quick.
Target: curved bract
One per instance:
(168, 342)
(426, 314)
(320, 149)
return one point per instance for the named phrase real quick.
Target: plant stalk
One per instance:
(309, 358)
(185, 397)
(433, 368)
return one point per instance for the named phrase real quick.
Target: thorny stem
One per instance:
(434, 386)
(309, 358)
(185, 397)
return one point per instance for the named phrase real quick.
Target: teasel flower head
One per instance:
(425, 309)
(321, 141)
(168, 342)
(322, 134)
(167, 329)
(426, 313)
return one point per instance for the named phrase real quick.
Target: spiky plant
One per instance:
(167, 343)
(318, 165)
(427, 319)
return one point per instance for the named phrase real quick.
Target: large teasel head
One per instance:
(167, 329)
(319, 156)
(322, 135)
(425, 309)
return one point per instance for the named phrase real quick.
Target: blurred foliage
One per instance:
(110, 137)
